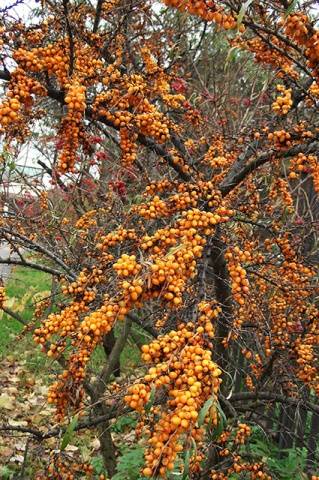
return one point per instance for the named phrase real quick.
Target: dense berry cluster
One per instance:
(305, 164)
(184, 369)
(209, 12)
(2, 296)
(239, 281)
(283, 103)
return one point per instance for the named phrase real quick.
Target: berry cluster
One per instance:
(2, 297)
(184, 368)
(280, 138)
(71, 125)
(307, 164)
(126, 266)
(239, 281)
(283, 104)
(208, 12)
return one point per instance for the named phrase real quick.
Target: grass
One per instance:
(20, 290)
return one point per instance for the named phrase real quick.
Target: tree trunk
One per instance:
(312, 458)
(223, 297)
(108, 345)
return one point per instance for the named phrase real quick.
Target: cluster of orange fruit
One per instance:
(207, 11)
(44, 200)
(128, 146)
(299, 27)
(52, 58)
(71, 125)
(281, 138)
(280, 189)
(184, 368)
(40, 307)
(283, 103)
(295, 26)
(153, 209)
(85, 280)
(9, 111)
(217, 162)
(307, 164)
(127, 266)
(178, 160)
(2, 296)
(305, 357)
(239, 281)
(227, 443)
(256, 470)
(86, 221)
(18, 98)
(187, 195)
(115, 237)
(152, 124)
(64, 468)
(265, 54)
(314, 89)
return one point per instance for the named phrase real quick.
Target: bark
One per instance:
(286, 428)
(312, 460)
(223, 297)
(108, 345)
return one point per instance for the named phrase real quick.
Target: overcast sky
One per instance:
(23, 9)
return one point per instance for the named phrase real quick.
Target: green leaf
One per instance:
(174, 250)
(204, 410)
(221, 413)
(123, 422)
(67, 437)
(231, 55)
(242, 12)
(129, 464)
(221, 424)
(291, 8)
(188, 455)
(11, 166)
(98, 465)
(186, 465)
(5, 473)
(150, 402)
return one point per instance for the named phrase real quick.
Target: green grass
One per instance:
(130, 356)
(23, 284)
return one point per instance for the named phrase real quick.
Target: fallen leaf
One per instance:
(17, 458)
(95, 444)
(6, 451)
(71, 448)
(20, 446)
(17, 423)
(6, 402)
(12, 390)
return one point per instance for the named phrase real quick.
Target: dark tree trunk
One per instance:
(286, 427)
(223, 297)
(312, 457)
(108, 345)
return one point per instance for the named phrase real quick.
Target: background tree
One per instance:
(182, 149)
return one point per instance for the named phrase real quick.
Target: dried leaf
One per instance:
(6, 402)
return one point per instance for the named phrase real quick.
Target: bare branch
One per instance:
(98, 15)
(35, 266)
(14, 315)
